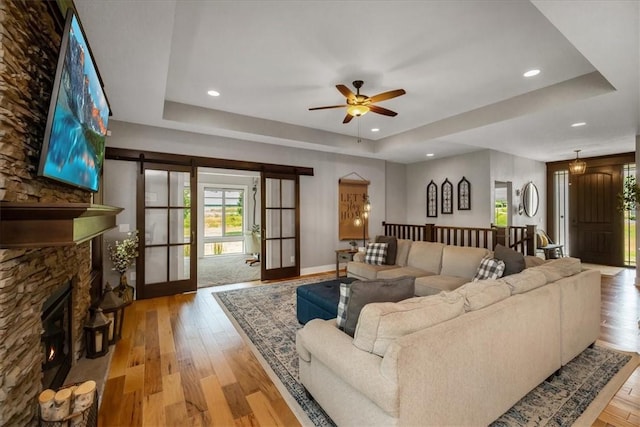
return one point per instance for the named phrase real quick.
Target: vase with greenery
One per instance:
(122, 255)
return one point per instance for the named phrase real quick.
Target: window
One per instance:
(629, 174)
(223, 221)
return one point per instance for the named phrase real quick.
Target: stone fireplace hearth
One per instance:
(56, 337)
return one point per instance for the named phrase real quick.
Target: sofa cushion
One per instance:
(430, 285)
(489, 268)
(366, 271)
(482, 293)
(426, 256)
(363, 292)
(404, 246)
(381, 323)
(513, 260)
(376, 253)
(461, 261)
(404, 271)
(392, 248)
(525, 281)
(533, 261)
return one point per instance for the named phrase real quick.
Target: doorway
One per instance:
(228, 227)
(502, 203)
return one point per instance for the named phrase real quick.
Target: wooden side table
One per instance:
(343, 255)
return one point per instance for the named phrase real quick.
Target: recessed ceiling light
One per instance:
(213, 93)
(375, 130)
(532, 73)
(430, 154)
(578, 124)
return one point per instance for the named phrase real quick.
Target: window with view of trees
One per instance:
(223, 220)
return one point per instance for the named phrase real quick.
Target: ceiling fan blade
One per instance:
(387, 95)
(325, 108)
(347, 118)
(382, 111)
(346, 92)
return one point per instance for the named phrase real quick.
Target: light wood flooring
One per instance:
(182, 363)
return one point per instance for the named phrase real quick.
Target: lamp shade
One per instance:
(357, 110)
(577, 167)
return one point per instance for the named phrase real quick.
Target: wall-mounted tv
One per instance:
(74, 139)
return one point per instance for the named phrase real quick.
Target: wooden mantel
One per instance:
(36, 225)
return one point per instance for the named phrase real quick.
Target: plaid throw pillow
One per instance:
(490, 268)
(376, 253)
(345, 293)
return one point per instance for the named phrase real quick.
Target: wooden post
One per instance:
(429, 232)
(531, 240)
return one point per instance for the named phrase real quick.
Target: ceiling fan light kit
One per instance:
(359, 105)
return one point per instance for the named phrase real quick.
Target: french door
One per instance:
(280, 226)
(165, 214)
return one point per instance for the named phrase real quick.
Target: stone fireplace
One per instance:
(29, 43)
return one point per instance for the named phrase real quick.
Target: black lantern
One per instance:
(96, 334)
(113, 308)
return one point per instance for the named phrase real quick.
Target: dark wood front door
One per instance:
(597, 225)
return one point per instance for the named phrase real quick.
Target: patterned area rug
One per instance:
(266, 316)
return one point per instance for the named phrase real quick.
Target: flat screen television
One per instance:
(74, 139)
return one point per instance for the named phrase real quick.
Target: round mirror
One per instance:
(530, 199)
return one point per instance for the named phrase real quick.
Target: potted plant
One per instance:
(354, 245)
(122, 255)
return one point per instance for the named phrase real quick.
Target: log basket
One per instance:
(87, 417)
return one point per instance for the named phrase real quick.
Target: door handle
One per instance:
(264, 234)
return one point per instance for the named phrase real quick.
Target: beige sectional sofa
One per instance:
(436, 267)
(457, 358)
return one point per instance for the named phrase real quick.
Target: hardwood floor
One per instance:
(182, 363)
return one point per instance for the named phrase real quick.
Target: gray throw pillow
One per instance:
(513, 261)
(392, 248)
(363, 292)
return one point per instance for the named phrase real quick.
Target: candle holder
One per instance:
(96, 334)
(113, 308)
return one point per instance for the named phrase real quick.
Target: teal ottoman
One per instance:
(319, 300)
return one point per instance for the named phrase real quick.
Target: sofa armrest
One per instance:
(322, 340)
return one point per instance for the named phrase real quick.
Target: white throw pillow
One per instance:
(376, 253)
(489, 268)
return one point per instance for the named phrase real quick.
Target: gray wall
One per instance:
(318, 193)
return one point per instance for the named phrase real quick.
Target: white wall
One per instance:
(482, 169)
(518, 170)
(396, 182)
(473, 166)
(318, 193)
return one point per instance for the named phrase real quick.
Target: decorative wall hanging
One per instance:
(352, 194)
(464, 195)
(432, 200)
(447, 197)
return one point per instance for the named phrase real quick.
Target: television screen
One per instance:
(74, 140)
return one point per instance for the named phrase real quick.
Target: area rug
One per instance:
(266, 317)
(226, 269)
(605, 270)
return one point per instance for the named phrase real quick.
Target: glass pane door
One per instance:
(166, 213)
(280, 219)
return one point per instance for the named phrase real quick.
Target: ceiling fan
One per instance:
(358, 105)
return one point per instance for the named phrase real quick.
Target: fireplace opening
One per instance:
(56, 337)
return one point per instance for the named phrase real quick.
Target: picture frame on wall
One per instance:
(432, 200)
(447, 197)
(464, 195)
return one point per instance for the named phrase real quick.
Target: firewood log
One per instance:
(47, 404)
(84, 395)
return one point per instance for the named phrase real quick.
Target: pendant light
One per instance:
(577, 167)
